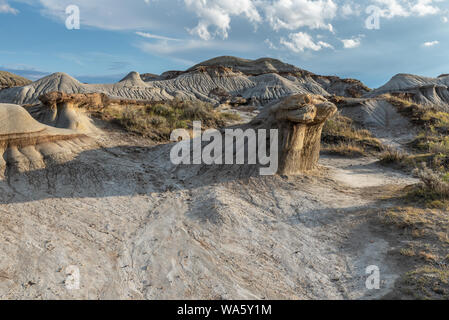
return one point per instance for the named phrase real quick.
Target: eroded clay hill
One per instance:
(381, 117)
(255, 82)
(422, 90)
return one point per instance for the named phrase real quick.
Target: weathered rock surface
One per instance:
(300, 120)
(137, 226)
(149, 77)
(55, 99)
(67, 111)
(26, 144)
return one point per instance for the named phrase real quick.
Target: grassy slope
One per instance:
(340, 136)
(157, 121)
(421, 219)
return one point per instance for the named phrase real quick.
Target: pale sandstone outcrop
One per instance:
(66, 111)
(53, 99)
(26, 144)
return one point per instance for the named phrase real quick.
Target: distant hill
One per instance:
(9, 80)
(421, 90)
(255, 82)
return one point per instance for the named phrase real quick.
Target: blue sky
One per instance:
(328, 37)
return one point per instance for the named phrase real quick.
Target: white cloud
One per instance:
(164, 47)
(351, 43)
(294, 14)
(350, 9)
(154, 36)
(111, 14)
(287, 22)
(424, 8)
(393, 8)
(430, 43)
(406, 8)
(216, 15)
(298, 42)
(6, 8)
(270, 44)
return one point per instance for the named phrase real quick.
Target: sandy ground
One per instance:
(138, 228)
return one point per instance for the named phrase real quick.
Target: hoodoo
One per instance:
(300, 120)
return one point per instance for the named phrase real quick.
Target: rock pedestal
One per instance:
(300, 120)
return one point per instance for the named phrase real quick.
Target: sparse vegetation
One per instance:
(426, 233)
(391, 155)
(430, 150)
(425, 222)
(423, 219)
(341, 136)
(432, 144)
(158, 120)
(401, 159)
(428, 282)
(433, 191)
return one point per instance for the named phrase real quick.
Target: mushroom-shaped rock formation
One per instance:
(26, 144)
(63, 110)
(300, 120)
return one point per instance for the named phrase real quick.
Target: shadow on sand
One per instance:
(119, 171)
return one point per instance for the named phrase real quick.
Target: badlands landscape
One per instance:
(86, 183)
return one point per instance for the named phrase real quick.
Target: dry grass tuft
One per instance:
(391, 155)
(433, 190)
(341, 136)
(427, 282)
